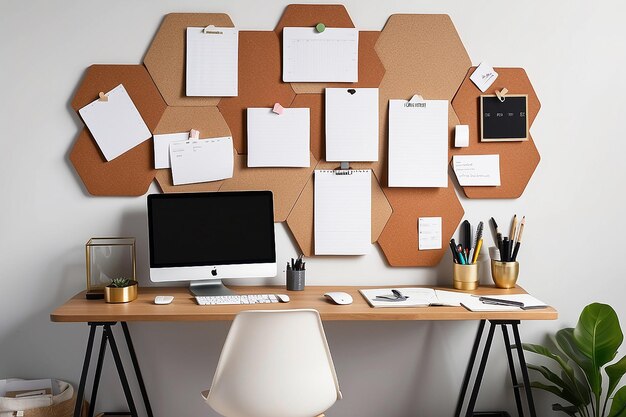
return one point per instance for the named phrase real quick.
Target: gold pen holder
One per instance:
(465, 277)
(504, 274)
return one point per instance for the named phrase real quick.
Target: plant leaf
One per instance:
(581, 388)
(544, 351)
(565, 341)
(618, 407)
(615, 373)
(598, 333)
(570, 410)
(568, 391)
(550, 388)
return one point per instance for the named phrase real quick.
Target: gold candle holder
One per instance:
(465, 277)
(504, 274)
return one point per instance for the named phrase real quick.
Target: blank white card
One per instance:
(418, 143)
(343, 212)
(115, 124)
(202, 160)
(212, 62)
(330, 56)
(352, 124)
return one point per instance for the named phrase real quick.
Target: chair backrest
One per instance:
(274, 364)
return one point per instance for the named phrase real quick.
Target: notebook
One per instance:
(474, 304)
(417, 297)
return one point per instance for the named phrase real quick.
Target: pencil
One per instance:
(513, 227)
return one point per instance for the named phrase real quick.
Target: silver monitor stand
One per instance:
(209, 287)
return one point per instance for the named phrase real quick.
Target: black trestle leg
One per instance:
(481, 371)
(470, 367)
(83, 376)
(522, 362)
(120, 370)
(96, 381)
(133, 357)
(509, 355)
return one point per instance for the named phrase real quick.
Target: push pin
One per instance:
(194, 134)
(102, 97)
(502, 94)
(278, 109)
(320, 27)
(352, 91)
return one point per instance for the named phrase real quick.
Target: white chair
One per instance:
(274, 364)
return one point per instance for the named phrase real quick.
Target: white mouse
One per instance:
(283, 298)
(163, 299)
(340, 298)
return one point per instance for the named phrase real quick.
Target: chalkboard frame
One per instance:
(512, 139)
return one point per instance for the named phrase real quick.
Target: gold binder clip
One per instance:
(102, 97)
(502, 94)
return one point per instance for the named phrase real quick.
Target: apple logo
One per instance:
(214, 272)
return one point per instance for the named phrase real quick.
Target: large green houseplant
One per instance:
(582, 354)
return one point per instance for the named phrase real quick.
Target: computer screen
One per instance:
(196, 236)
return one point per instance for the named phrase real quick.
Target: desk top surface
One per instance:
(184, 307)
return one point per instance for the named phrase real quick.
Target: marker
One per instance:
(477, 250)
(459, 249)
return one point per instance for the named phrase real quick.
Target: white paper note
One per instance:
(330, 56)
(279, 140)
(418, 143)
(429, 232)
(201, 160)
(343, 212)
(352, 124)
(212, 62)
(461, 136)
(477, 170)
(116, 124)
(162, 147)
(483, 76)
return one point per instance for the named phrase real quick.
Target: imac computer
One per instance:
(205, 237)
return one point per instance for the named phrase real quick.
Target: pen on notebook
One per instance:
(519, 240)
(500, 301)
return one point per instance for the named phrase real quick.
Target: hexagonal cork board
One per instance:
(422, 54)
(518, 160)
(259, 83)
(315, 102)
(131, 173)
(399, 239)
(300, 220)
(209, 122)
(165, 58)
(285, 183)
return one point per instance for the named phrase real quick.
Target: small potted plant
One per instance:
(120, 290)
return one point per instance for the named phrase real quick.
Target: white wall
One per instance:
(575, 56)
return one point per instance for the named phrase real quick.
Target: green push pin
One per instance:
(320, 27)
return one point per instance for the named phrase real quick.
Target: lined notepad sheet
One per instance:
(352, 124)
(330, 56)
(212, 62)
(279, 140)
(201, 160)
(343, 212)
(418, 143)
(115, 124)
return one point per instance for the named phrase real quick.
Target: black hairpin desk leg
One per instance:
(483, 363)
(109, 338)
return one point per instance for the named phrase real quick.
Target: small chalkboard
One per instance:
(504, 121)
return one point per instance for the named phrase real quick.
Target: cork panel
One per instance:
(422, 54)
(300, 220)
(399, 239)
(209, 122)
(518, 160)
(285, 183)
(371, 69)
(166, 56)
(260, 83)
(130, 174)
(136, 81)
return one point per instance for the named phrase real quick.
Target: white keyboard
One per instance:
(237, 299)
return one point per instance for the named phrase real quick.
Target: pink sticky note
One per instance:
(278, 109)
(194, 134)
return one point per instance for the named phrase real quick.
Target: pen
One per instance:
(498, 238)
(519, 240)
(453, 249)
(513, 228)
(477, 251)
(459, 249)
(490, 300)
(466, 237)
(504, 251)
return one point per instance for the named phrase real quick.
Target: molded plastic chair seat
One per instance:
(274, 364)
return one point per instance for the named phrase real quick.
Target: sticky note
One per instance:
(461, 136)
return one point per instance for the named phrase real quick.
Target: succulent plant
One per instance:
(120, 282)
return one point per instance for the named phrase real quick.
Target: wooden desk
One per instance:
(97, 313)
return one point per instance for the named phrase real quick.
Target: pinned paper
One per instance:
(195, 161)
(477, 170)
(162, 148)
(461, 136)
(484, 76)
(194, 134)
(278, 109)
(429, 233)
(102, 97)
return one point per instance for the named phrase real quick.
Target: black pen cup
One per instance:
(295, 280)
(465, 277)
